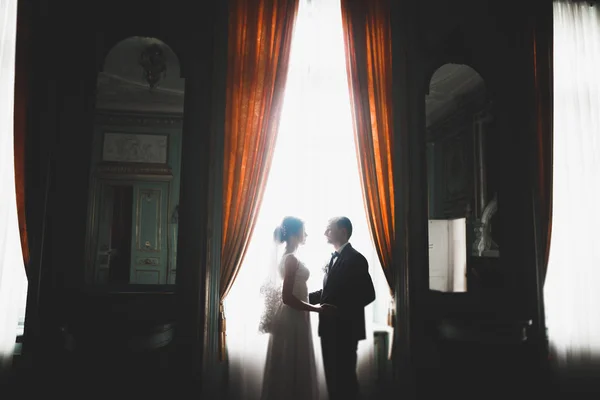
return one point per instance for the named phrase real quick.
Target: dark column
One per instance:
(410, 182)
(61, 138)
(199, 226)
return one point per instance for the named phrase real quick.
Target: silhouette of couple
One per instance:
(290, 371)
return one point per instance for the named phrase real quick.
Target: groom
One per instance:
(347, 290)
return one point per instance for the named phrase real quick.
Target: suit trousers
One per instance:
(339, 361)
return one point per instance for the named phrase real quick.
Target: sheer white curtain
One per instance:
(572, 291)
(12, 272)
(314, 176)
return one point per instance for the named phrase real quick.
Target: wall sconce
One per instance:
(154, 64)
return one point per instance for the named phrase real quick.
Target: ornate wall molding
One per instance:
(133, 169)
(139, 119)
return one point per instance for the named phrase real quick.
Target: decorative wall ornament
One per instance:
(148, 197)
(154, 64)
(148, 261)
(135, 148)
(483, 229)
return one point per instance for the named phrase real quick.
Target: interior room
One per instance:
(120, 117)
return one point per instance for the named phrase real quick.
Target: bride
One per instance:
(290, 370)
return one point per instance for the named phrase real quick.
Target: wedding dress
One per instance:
(290, 369)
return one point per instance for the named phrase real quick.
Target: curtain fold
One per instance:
(259, 41)
(22, 63)
(571, 291)
(367, 35)
(11, 268)
(541, 32)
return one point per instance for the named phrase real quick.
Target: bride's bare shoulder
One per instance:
(290, 261)
(290, 258)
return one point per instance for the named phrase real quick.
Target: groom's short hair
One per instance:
(344, 223)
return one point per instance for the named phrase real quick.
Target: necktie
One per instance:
(334, 255)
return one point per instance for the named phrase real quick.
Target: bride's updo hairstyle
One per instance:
(289, 227)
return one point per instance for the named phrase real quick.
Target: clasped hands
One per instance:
(327, 309)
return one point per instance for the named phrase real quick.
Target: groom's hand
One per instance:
(328, 309)
(315, 297)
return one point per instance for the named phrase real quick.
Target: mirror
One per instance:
(134, 185)
(462, 194)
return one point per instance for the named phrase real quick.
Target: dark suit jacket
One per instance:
(348, 287)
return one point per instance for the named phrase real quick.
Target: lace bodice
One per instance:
(302, 274)
(274, 309)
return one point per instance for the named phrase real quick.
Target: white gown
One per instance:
(290, 369)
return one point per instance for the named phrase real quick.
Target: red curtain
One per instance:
(22, 63)
(259, 42)
(368, 40)
(541, 39)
